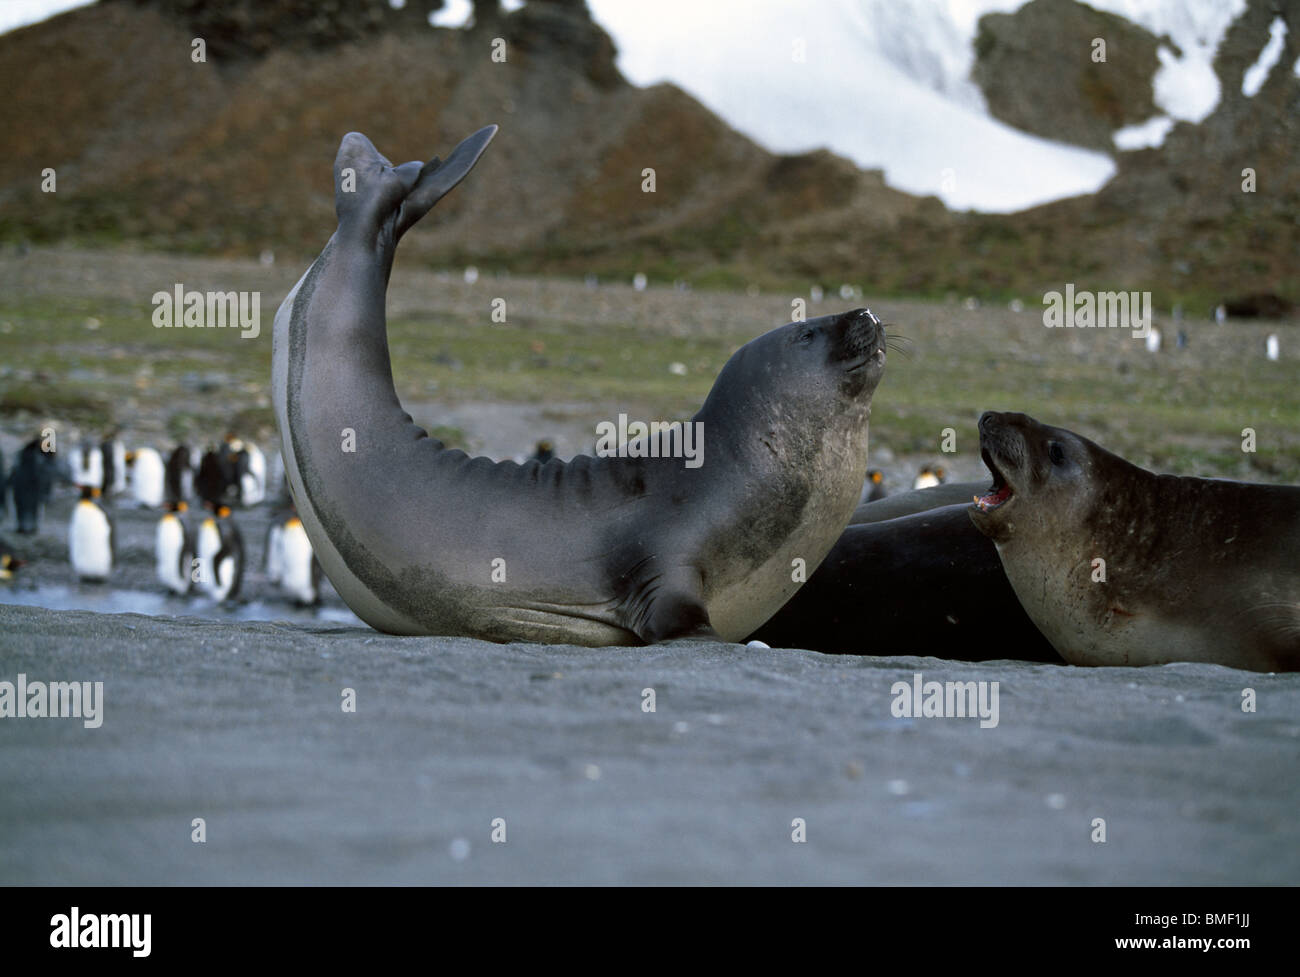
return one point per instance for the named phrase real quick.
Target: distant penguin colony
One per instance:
(206, 558)
(90, 538)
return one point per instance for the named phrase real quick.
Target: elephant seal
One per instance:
(915, 500)
(1195, 569)
(927, 583)
(421, 539)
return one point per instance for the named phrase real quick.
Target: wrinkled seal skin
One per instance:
(926, 583)
(595, 551)
(1196, 569)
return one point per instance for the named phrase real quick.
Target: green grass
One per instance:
(538, 362)
(1182, 411)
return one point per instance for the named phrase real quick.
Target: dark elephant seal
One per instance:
(927, 583)
(1195, 569)
(420, 539)
(915, 500)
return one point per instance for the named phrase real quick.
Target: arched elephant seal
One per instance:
(1195, 569)
(927, 583)
(420, 539)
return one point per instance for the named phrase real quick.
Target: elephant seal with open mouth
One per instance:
(1120, 566)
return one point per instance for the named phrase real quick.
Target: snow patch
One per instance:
(455, 14)
(1253, 80)
(1143, 135)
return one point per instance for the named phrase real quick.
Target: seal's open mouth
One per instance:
(1000, 493)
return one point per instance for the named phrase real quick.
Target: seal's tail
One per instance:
(370, 189)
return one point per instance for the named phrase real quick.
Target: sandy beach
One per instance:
(242, 725)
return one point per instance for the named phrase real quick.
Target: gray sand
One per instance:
(240, 724)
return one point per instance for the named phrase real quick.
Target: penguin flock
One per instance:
(873, 489)
(204, 555)
(191, 556)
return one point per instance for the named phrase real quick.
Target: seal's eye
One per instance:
(1056, 453)
(805, 338)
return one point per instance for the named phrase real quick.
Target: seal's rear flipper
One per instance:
(369, 191)
(437, 178)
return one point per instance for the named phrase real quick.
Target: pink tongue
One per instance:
(994, 498)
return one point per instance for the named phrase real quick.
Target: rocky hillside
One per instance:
(1178, 214)
(1037, 71)
(232, 156)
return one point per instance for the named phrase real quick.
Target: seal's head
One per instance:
(1042, 478)
(835, 361)
(846, 352)
(786, 422)
(804, 377)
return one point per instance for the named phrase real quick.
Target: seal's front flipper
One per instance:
(437, 178)
(678, 611)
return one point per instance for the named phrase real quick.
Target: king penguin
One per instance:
(180, 475)
(114, 467)
(874, 490)
(88, 466)
(213, 480)
(8, 561)
(252, 483)
(90, 538)
(30, 483)
(246, 467)
(221, 555)
(148, 477)
(275, 550)
(929, 477)
(299, 570)
(174, 549)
